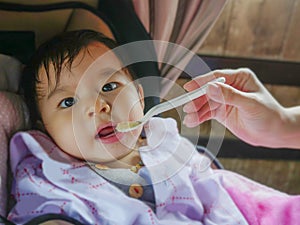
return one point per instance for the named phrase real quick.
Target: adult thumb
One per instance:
(225, 94)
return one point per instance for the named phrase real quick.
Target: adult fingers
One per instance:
(207, 112)
(195, 105)
(225, 94)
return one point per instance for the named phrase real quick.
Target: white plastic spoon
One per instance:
(165, 106)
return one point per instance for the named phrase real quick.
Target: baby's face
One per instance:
(82, 111)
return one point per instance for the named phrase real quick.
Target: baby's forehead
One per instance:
(50, 79)
(95, 58)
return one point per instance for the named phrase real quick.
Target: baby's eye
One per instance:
(109, 86)
(67, 102)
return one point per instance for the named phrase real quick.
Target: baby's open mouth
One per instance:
(106, 132)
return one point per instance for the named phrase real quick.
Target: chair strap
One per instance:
(205, 151)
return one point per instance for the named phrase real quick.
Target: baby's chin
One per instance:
(104, 153)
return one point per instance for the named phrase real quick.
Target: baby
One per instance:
(80, 167)
(77, 91)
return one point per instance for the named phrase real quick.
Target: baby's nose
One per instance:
(100, 106)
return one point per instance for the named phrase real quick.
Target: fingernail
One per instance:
(189, 85)
(214, 90)
(186, 120)
(189, 121)
(187, 108)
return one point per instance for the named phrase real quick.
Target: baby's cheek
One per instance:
(72, 145)
(78, 139)
(65, 138)
(129, 101)
(136, 109)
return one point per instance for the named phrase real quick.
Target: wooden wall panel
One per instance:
(264, 29)
(216, 40)
(291, 48)
(243, 20)
(258, 28)
(271, 29)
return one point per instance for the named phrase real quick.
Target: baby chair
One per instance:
(25, 26)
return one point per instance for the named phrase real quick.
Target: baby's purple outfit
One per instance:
(186, 190)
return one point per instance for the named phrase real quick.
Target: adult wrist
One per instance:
(290, 135)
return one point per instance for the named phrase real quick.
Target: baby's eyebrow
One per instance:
(57, 90)
(109, 71)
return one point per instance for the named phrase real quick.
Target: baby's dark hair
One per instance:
(59, 51)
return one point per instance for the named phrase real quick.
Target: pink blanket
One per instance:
(259, 204)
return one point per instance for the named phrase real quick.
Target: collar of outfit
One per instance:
(129, 181)
(135, 168)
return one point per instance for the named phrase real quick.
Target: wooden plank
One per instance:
(279, 174)
(235, 148)
(256, 29)
(215, 42)
(243, 20)
(271, 29)
(287, 96)
(268, 71)
(291, 49)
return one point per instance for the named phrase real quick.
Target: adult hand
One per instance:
(244, 106)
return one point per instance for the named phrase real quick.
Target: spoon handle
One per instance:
(180, 100)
